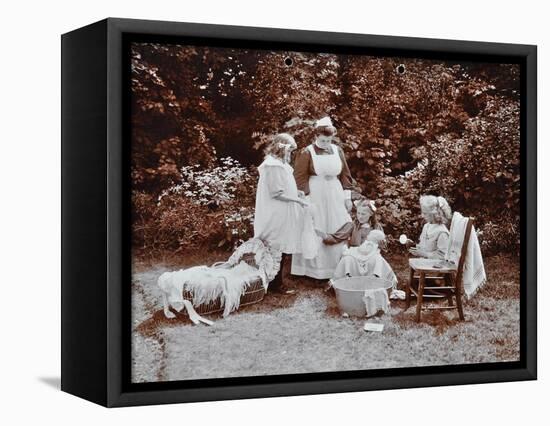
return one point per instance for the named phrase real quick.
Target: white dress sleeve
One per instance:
(275, 179)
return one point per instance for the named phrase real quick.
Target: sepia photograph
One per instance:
(300, 212)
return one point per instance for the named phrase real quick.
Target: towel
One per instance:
(376, 300)
(473, 276)
(310, 241)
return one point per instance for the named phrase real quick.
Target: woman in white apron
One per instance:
(322, 173)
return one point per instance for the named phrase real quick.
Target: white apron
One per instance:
(326, 197)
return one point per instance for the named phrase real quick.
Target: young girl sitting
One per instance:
(434, 238)
(356, 232)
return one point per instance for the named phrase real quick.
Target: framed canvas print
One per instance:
(253, 212)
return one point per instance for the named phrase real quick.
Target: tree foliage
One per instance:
(446, 128)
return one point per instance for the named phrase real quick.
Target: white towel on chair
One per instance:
(473, 276)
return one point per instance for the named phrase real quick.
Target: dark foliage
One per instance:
(450, 129)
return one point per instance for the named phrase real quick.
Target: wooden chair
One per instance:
(427, 270)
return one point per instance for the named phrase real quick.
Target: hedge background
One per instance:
(201, 117)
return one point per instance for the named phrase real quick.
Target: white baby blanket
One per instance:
(474, 271)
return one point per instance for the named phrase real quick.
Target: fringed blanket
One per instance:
(208, 284)
(267, 259)
(474, 271)
(226, 281)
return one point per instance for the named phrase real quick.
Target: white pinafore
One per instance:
(327, 199)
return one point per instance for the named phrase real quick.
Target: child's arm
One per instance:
(340, 235)
(275, 178)
(283, 197)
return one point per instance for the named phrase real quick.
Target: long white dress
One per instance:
(327, 199)
(277, 222)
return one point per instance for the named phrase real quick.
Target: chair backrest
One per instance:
(463, 251)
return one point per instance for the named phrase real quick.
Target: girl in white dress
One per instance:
(322, 170)
(278, 217)
(434, 238)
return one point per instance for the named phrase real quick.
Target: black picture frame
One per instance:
(95, 214)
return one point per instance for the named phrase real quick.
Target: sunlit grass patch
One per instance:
(305, 332)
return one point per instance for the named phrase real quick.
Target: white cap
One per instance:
(324, 122)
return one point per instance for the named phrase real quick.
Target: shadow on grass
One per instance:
(53, 382)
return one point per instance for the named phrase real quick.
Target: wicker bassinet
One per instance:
(254, 293)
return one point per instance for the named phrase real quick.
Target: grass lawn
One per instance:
(304, 332)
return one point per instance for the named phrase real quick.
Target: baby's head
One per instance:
(365, 210)
(371, 244)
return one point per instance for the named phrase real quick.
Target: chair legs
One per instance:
(449, 281)
(458, 295)
(421, 284)
(408, 290)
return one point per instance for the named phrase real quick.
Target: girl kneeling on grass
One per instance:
(355, 232)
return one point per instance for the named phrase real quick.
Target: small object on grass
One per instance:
(328, 287)
(369, 326)
(397, 294)
(345, 315)
(290, 291)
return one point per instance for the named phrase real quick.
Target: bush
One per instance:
(444, 128)
(208, 208)
(398, 201)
